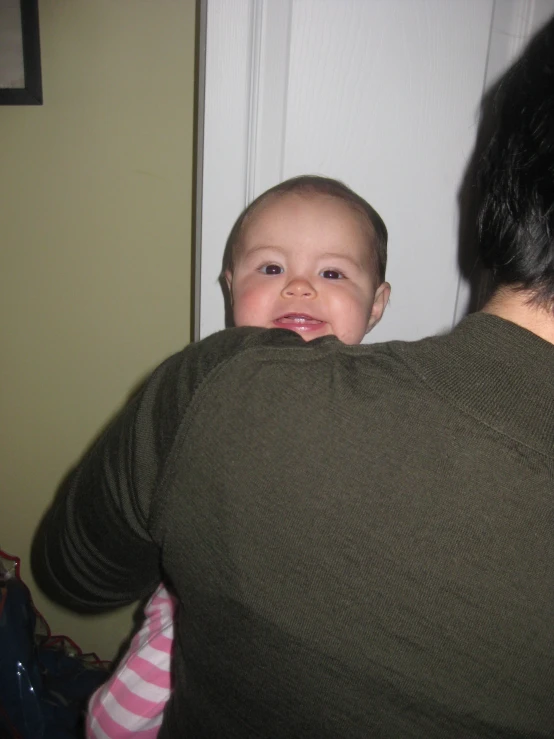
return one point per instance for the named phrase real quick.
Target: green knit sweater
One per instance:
(360, 538)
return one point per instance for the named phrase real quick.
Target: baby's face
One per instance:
(304, 264)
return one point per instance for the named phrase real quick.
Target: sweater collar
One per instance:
(495, 370)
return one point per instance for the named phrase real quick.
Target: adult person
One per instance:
(360, 538)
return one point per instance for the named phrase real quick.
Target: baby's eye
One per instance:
(332, 274)
(271, 269)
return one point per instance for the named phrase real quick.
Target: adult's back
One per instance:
(383, 568)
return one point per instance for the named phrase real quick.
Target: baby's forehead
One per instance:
(289, 204)
(270, 230)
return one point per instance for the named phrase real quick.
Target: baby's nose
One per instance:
(298, 288)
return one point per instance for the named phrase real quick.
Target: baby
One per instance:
(308, 255)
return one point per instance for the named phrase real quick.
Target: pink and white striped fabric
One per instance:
(132, 701)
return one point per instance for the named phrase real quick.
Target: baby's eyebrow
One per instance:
(265, 247)
(259, 252)
(347, 257)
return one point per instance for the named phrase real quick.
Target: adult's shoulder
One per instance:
(242, 351)
(224, 348)
(180, 376)
(270, 360)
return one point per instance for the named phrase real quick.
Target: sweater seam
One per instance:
(452, 403)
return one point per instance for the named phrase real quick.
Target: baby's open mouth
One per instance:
(299, 322)
(297, 318)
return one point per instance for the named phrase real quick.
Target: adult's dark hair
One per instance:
(516, 176)
(315, 185)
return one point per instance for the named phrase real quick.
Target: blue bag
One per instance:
(45, 681)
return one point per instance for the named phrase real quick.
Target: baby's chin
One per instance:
(309, 335)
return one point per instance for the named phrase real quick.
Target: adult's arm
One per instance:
(94, 549)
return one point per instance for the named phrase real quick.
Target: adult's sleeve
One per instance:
(93, 550)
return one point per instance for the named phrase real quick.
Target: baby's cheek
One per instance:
(353, 318)
(250, 308)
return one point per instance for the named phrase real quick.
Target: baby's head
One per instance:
(308, 255)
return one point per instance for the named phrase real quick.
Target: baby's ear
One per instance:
(229, 280)
(380, 302)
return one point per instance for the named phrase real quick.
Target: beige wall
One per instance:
(95, 231)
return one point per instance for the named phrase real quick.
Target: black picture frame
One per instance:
(30, 91)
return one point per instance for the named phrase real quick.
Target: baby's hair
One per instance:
(315, 185)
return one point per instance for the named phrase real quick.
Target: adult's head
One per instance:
(516, 178)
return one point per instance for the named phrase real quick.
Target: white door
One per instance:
(381, 94)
